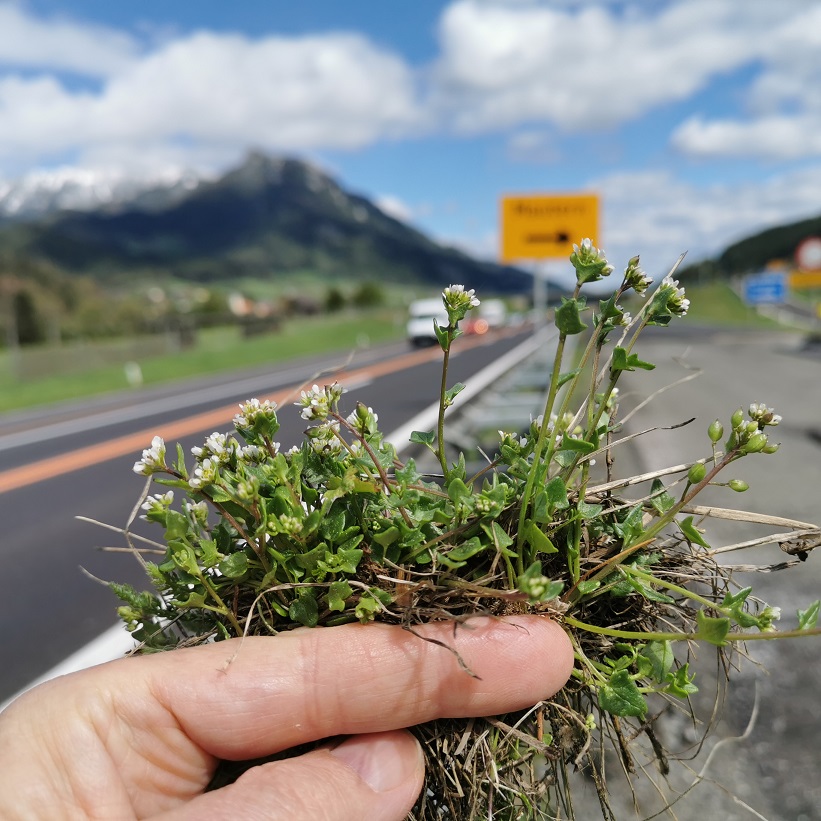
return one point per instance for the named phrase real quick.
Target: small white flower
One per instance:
(153, 458)
(204, 474)
(457, 295)
(676, 301)
(251, 410)
(254, 454)
(158, 501)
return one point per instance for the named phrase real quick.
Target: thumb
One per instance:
(376, 776)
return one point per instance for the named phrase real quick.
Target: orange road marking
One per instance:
(209, 420)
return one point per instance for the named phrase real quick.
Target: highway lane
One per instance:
(48, 606)
(775, 769)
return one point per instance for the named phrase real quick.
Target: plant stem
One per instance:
(540, 442)
(440, 427)
(641, 636)
(675, 588)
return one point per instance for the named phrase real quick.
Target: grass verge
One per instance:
(216, 350)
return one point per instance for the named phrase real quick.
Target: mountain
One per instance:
(268, 217)
(79, 189)
(753, 253)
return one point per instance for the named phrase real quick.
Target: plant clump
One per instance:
(260, 540)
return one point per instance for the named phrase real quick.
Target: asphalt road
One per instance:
(77, 460)
(773, 771)
(48, 608)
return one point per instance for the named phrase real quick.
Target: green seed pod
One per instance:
(737, 418)
(715, 431)
(697, 473)
(771, 447)
(738, 485)
(756, 443)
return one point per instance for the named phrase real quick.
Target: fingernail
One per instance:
(383, 763)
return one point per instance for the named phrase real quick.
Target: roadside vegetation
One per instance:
(716, 303)
(215, 350)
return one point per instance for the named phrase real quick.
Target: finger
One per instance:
(267, 694)
(375, 776)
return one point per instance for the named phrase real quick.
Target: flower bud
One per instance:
(738, 485)
(697, 472)
(771, 447)
(737, 418)
(757, 443)
(715, 431)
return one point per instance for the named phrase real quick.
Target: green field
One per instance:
(45, 375)
(716, 303)
(216, 350)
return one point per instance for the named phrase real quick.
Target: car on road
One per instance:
(421, 315)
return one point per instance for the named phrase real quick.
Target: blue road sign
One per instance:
(765, 289)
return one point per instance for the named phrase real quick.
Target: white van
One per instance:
(421, 314)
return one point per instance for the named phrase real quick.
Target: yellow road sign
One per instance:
(544, 227)
(802, 280)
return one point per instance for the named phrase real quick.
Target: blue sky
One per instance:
(697, 121)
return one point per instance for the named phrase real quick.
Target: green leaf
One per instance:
(587, 587)
(234, 566)
(621, 696)
(690, 532)
(579, 445)
(210, 554)
(176, 525)
(467, 550)
(370, 602)
(588, 511)
(622, 361)
(338, 591)
(537, 538)
(333, 525)
(557, 493)
(347, 559)
(680, 684)
(645, 589)
(566, 377)
(568, 320)
(660, 656)
(712, 630)
(661, 500)
(565, 458)
(808, 619)
(501, 540)
(442, 335)
(304, 609)
(452, 393)
(386, 537)
(457, 490)
(735, 603)
(419, 437)
(631, 528)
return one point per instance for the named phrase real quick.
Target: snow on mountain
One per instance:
(79, 189)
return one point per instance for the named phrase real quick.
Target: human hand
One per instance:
(141, 737)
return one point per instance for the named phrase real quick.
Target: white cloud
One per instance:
(784, 101)
(395, 207)
(585, 66)
(62, 44)
(504, 64)
(658, 216)
(776, 137)
(218, 92)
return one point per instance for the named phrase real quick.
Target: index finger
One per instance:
(266, 694)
